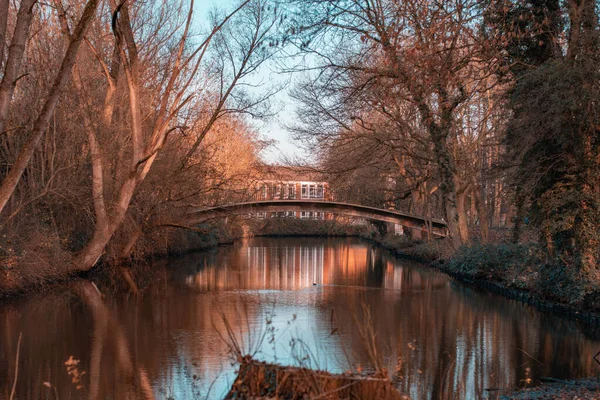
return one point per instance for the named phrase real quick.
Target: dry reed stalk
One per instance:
(271, 381)
(14, 387)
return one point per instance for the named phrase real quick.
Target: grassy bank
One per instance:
(525, 272)
(520, 271)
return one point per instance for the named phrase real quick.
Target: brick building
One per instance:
(292, 183)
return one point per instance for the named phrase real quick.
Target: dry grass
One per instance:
(264, 380)
(32, 263)
(271, 381)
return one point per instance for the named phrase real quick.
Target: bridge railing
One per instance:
(268, 193)
(358, 196)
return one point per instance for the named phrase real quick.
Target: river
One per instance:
(289, 300)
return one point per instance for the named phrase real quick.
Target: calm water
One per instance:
(294, 301)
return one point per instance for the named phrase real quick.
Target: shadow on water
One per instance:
(436, 336)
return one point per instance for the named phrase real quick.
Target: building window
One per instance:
(304, 215)
(290, 214)
(313, 191)
(320, 191)
(304, 191)
(292, 191)
(263, 192)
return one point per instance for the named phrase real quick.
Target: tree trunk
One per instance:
(455, 219)
(497, 204)
(15, 57)
(482, 212)
(12, 179)
(126, 250)
(418, 208)
(4, 8)
(449, 180)
(92, 252)
(461, 211)
(586, 221)
(519, 215)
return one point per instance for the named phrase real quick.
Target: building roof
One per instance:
(284, 173)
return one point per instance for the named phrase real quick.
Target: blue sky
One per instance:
(274, 128)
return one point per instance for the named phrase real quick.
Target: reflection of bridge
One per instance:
(437, 227)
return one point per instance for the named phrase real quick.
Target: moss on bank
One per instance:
(419, 250)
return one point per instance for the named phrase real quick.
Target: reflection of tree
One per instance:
(49, 339)
(452, 339)
(283, 268)
(131, 380)
(448, 336)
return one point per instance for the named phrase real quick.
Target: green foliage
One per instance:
(421, 250)
(526, 31)
(428, 251)
(512, 264)
(397, 242)
(525, 267)
(553, 140)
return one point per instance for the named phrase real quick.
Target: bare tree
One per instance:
(26, 152)
(425, 53)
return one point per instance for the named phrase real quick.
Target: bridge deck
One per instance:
(355, 210)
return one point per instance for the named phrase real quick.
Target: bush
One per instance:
(515, 265)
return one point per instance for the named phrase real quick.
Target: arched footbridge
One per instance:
(438, 227)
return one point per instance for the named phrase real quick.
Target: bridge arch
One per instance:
(438, 227)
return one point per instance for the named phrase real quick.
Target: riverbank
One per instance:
(30, 268)
(580, 389)
(193, 293)
(516, 271)
(40, 267)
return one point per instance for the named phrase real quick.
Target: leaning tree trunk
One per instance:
(15, 56)
(12, 179)
(4, 8)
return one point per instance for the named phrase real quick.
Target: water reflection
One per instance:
(288, 267)
(439, 337)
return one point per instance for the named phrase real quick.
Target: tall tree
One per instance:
(553, 139)
(426, 51)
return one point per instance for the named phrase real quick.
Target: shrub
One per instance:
(514, 265)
